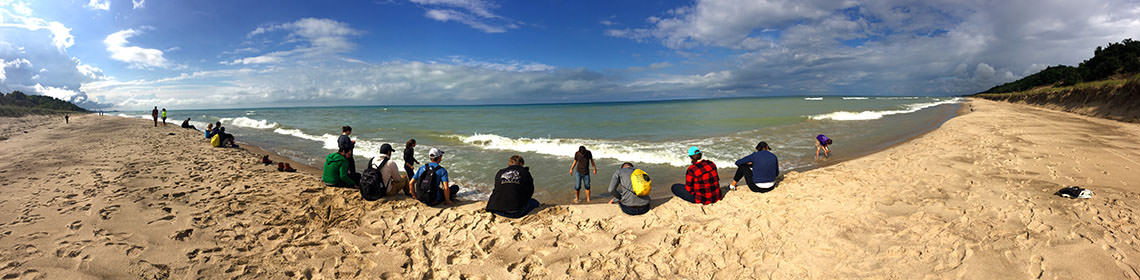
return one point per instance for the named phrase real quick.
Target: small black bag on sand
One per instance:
(1073, 192)
(372, 183)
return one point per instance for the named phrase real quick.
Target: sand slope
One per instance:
(973, 199)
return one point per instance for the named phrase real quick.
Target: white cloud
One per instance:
(99, 5)
(61, 35)
(13, 64)
(137, 57)
(138, 3)
(22, 8)
(474, 13)
(61, 93)
(319, 37)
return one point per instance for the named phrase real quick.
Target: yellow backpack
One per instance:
(641, 182)
(216, 141)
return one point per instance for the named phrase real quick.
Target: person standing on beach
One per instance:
(346, 143)
(163, 116)
(621, 187)
(581, 170)
(335, 172)
(821, 144)
(410, 161)
(433, 192)
(759, 169)
(154, 115)
(66, 119)
(702, 183)
(514, 187)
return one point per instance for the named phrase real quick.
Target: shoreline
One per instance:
(970, 199)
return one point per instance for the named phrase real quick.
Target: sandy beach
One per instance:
(110, 197)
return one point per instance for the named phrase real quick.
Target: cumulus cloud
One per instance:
(317, 37)
(138, 3)
(887, 47)
(474, 13)
(61, 35)
(99, 5)
(17, 63)
(34, 59)
(137, 57)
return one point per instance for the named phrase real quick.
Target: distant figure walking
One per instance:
(66, 118)
(163, 116)
(621, 186)
(154, 115)
(514, 187)
(759, 169)
(581, 170)
(186, 124)
(346, 143)
(410, 161)
(702, 182)
(821, 144)
(430, 185)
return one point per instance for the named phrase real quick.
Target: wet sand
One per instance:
(108, 197)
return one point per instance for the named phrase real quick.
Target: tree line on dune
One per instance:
(16, 104)
(1116, 58)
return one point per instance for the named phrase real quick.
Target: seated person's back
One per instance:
(514, 187)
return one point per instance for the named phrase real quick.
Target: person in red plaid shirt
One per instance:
(702, 183)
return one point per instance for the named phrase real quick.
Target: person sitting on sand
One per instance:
(439, 176)
(335, 172)
(621, 186)
(344, 142)
(514, 187)
(702, 183)
(389, 173)
(760, 168)
(822, 143)
(209, 130)
(186, 124)
(581, 170)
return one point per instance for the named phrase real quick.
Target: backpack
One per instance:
(372, 182)
(216, 140)
(641, 183)
(426, 185)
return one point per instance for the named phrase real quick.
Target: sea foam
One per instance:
(248, 122)
(671, 153)
(874, 115)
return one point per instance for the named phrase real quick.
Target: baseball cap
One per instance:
(694, 150)
(434, 153)
(385, 148)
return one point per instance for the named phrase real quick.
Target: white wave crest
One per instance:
(364, 148)
(813, 98)
(854, 98)
(874, 115)
(248, 122)
(656, 153)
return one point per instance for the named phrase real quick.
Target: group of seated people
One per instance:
(218, 136)
(512, 196)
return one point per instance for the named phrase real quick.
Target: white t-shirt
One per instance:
(389, 173)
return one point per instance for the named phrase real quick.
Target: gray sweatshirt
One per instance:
(622, 188)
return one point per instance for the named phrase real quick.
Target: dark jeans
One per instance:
(634, 210)
(454, 189)
(680, 191)
(352, 165)
(355, 178)
(745, 172)
(530, 205)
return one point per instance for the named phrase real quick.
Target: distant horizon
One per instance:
(124, 55)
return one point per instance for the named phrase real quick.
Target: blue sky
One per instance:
(134, 54)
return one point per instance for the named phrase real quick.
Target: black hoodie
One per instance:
(513, 189)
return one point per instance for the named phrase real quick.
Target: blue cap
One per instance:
(694, 150)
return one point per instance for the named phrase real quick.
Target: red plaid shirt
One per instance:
(703, 182)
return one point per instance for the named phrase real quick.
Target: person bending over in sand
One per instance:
(760, 169)
(163, 116)
(430, 181)
(702, 183)
(346, 143)
(186, 124)
(821, 144)
(335, 172)
(389, 173)
(581, 170)
(154, 115)
(514, 187)
(621, 186)
(410, 161)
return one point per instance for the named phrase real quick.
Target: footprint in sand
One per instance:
(164, 218)
(108, 211)
(75, 225)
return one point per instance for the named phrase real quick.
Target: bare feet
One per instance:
(575, 200)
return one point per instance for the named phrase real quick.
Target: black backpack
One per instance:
(426, 185)
(372, 183)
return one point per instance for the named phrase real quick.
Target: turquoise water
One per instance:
(653, 135)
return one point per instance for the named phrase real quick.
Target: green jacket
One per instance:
(336, 171)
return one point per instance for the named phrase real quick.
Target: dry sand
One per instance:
(109, 197)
